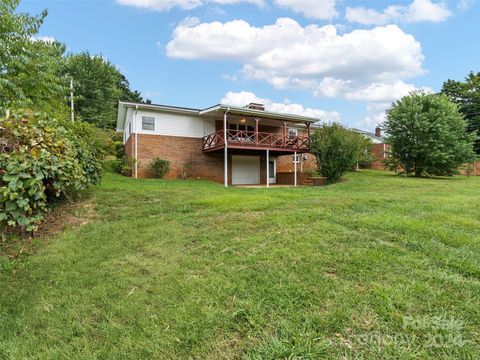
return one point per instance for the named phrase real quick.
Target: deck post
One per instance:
(268, 168)
(257, 120)
(284, 133)
(295, 169)
(136, 140)
(225, 155)
(308, 132)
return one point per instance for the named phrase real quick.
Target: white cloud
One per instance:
(381, 100)
(243, 98)
(417, 11)
(375, 116)
(165, 5)
(364, 64)
(371, 92)
(324, 9)
(48, 39)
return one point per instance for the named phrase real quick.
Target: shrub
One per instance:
(42, 159)
(117, 166)
(159, 168)
(336, 149)
(122, 166)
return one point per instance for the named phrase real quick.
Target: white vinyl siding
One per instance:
(170, 124)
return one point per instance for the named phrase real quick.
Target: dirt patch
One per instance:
(63, 216)
(331, 274)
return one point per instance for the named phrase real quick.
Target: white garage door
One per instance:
(245, 170)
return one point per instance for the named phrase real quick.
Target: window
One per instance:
(129, 128)
(292, 133)
(148, 123)
(296, 159)
(248, 136)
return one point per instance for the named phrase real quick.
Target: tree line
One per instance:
(37, 73)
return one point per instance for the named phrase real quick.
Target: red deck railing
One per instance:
(252, 139)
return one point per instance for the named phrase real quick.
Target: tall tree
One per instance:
(30, 70)
(428, 135)
(98, 87)
(467, 96)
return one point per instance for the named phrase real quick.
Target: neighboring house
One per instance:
(260, 144)
(379, 148)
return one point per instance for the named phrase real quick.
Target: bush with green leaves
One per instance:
(159, 168)
(427, 135)
(41, 159)
(336, 149)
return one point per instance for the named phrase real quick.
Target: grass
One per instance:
(377, 266)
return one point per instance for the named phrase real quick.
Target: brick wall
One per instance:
(474, 171)
(287, 178)
(285, 163)
(379, 151)
(182, 152)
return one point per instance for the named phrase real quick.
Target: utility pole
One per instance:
(71, 99)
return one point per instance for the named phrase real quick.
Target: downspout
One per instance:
(136, 140)
(225, 165)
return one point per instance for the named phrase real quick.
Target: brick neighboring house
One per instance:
(260, 144)
(379, 149)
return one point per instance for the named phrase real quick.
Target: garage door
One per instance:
(245, 170)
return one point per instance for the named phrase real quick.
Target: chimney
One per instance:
(255, 106)
(378, 132)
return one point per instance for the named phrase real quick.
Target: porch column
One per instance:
(268, 168)
(225, 155)
(295, 170)
(308, 132)
(284, 133)
(257, 120)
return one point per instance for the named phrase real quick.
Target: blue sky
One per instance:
(339, 60)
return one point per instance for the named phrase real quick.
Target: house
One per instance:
(379, 149)
(227, 144)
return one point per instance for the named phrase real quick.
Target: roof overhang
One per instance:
(258, 113)
(211, 111)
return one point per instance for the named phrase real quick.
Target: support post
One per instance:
(225, 155)
(136, 140)
(284, 133)
(295, 170)
(257, 120)
(268, 168)
(308, 132)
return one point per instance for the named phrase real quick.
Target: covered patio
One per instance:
(252, 131)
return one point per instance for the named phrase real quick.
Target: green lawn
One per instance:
(377, 266)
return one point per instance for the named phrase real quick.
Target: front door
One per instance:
(272, 171)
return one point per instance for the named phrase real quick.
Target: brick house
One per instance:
(260, 144)
(379, 149)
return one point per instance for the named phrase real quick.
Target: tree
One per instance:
(336, 149)
(30, 70)
(467, 96)
(428, 135)
(98, 85)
